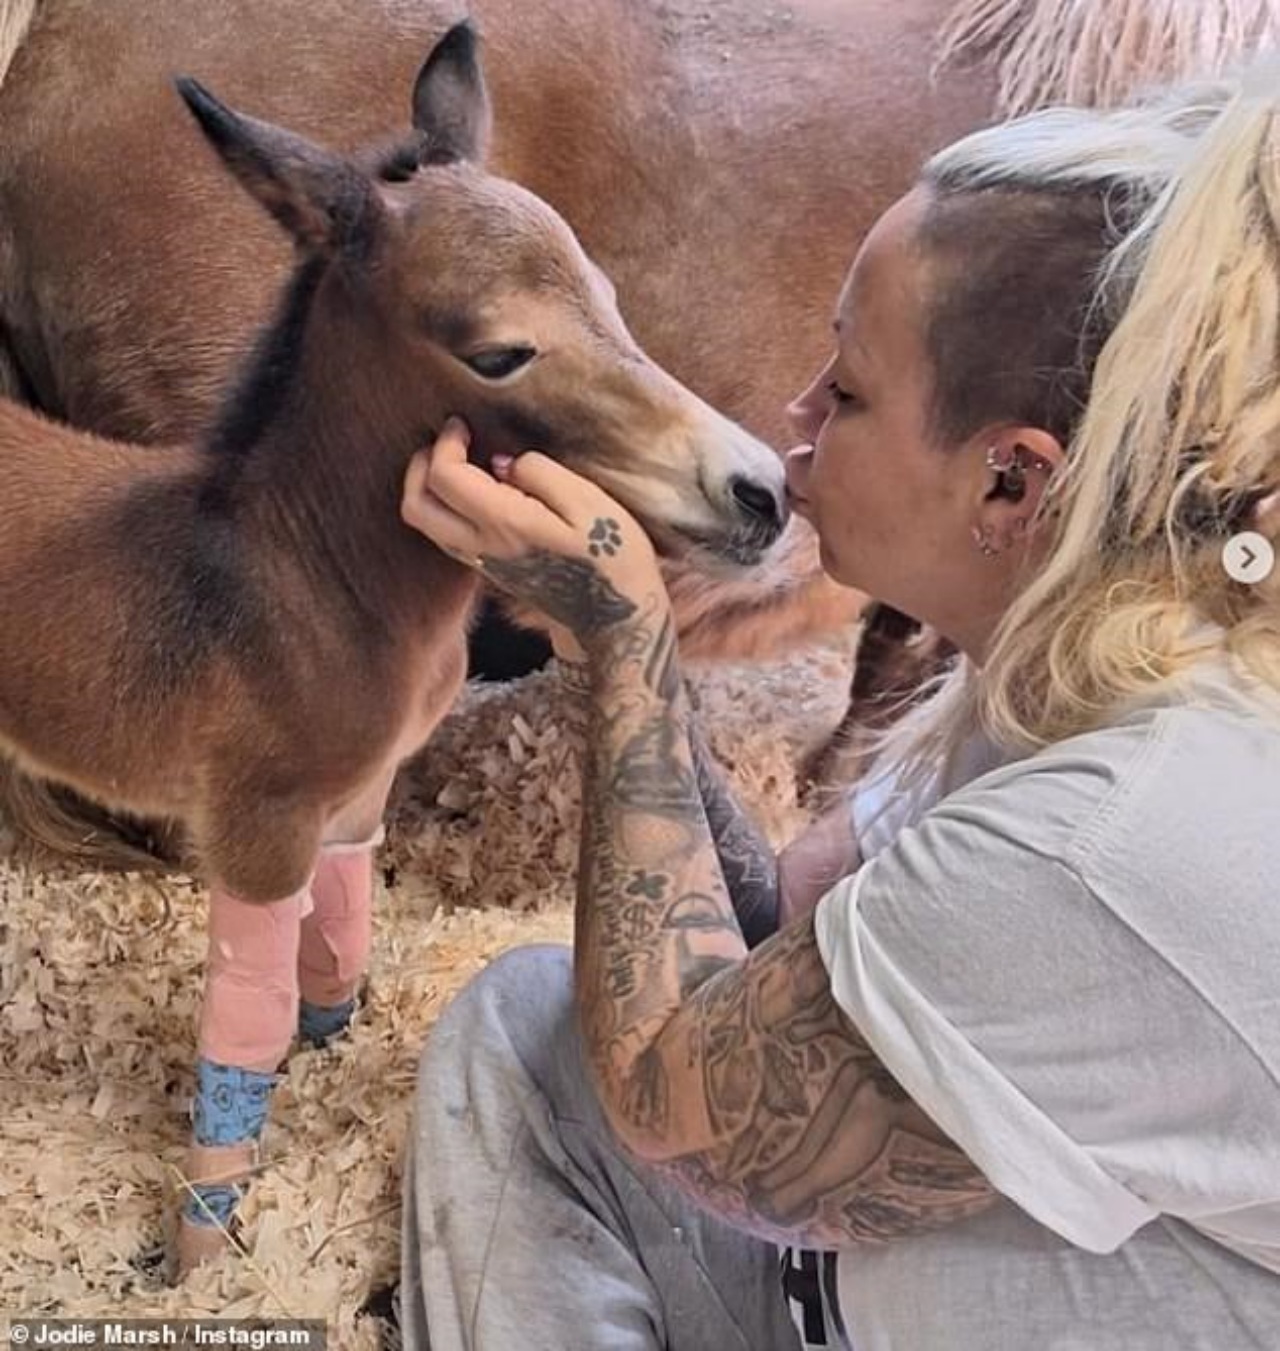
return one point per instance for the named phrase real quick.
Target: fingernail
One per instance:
(456, 427)
(502, 464)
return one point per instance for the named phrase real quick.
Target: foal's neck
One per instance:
(311, 457)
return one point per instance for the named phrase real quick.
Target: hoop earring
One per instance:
(1012, 476)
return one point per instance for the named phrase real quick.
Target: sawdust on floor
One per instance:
(100, 978)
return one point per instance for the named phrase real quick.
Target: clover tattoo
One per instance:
(651, 885)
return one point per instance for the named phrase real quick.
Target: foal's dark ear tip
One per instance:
(203, 105)
(192, 91)
(461, 40)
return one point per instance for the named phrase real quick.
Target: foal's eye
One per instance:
(499, 362)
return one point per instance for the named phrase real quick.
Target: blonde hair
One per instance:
(1180, 437)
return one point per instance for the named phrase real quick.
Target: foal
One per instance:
(243, 636)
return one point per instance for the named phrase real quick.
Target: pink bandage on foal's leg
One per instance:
(251, 982)
(336, 935)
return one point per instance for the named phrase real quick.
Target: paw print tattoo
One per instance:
(605, 537)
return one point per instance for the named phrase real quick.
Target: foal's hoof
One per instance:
(195, 1244)
(215, 1176)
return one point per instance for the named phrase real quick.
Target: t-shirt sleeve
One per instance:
(998, 990)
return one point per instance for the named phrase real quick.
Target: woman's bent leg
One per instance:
(524, 1225)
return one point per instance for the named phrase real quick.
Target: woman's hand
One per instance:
(537, 530)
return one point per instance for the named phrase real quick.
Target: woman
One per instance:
(1013, 1081)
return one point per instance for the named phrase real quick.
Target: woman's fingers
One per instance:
(415, 484)
(427, 514)
(464, 486)
(559, 489)
(528, 502)
(477, 518)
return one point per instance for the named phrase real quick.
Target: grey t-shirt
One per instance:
(1072, 963)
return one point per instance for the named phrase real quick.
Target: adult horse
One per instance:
(719, 158)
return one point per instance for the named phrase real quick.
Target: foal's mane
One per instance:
(267, 376)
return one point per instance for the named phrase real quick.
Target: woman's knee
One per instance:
(519, 1007)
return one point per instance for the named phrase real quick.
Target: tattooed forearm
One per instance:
(569, 591)
(650, 774)
(747, 859)
(654, 917)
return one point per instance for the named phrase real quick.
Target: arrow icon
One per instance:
(1248, 557)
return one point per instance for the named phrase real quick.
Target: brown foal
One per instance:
(242, 635)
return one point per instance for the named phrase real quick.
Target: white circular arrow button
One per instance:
(1248, 557)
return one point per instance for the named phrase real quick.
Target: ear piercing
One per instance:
(1011, 472)
(1010, 468)
(982, 538)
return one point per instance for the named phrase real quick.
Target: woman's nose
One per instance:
(805, 414)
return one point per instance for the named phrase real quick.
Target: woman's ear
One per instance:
(1017, 466)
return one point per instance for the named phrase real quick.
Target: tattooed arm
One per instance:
(748, 863)
(769, 890)
(735, 1073)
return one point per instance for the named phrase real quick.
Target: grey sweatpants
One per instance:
(524, 1225)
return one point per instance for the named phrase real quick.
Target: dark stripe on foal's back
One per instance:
(186, 550)
(262, 388)
(193, 598)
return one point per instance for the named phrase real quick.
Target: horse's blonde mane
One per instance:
(1099, 52)
(15, 20)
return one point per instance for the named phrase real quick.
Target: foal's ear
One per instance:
(451, 100)
(325, 203)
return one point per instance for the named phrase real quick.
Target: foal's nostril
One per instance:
(757, 502)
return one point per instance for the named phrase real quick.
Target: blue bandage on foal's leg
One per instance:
(230, 1108)
(318, 1025)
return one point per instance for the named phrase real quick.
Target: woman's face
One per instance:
(894, 511)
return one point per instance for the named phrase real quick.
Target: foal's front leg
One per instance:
(336, 937)
(247, 1021)
(272, 968)
(337, 933)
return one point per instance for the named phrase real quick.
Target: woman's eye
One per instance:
(841, 396)
(499, 362)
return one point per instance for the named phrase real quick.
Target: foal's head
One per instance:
(484, 304)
